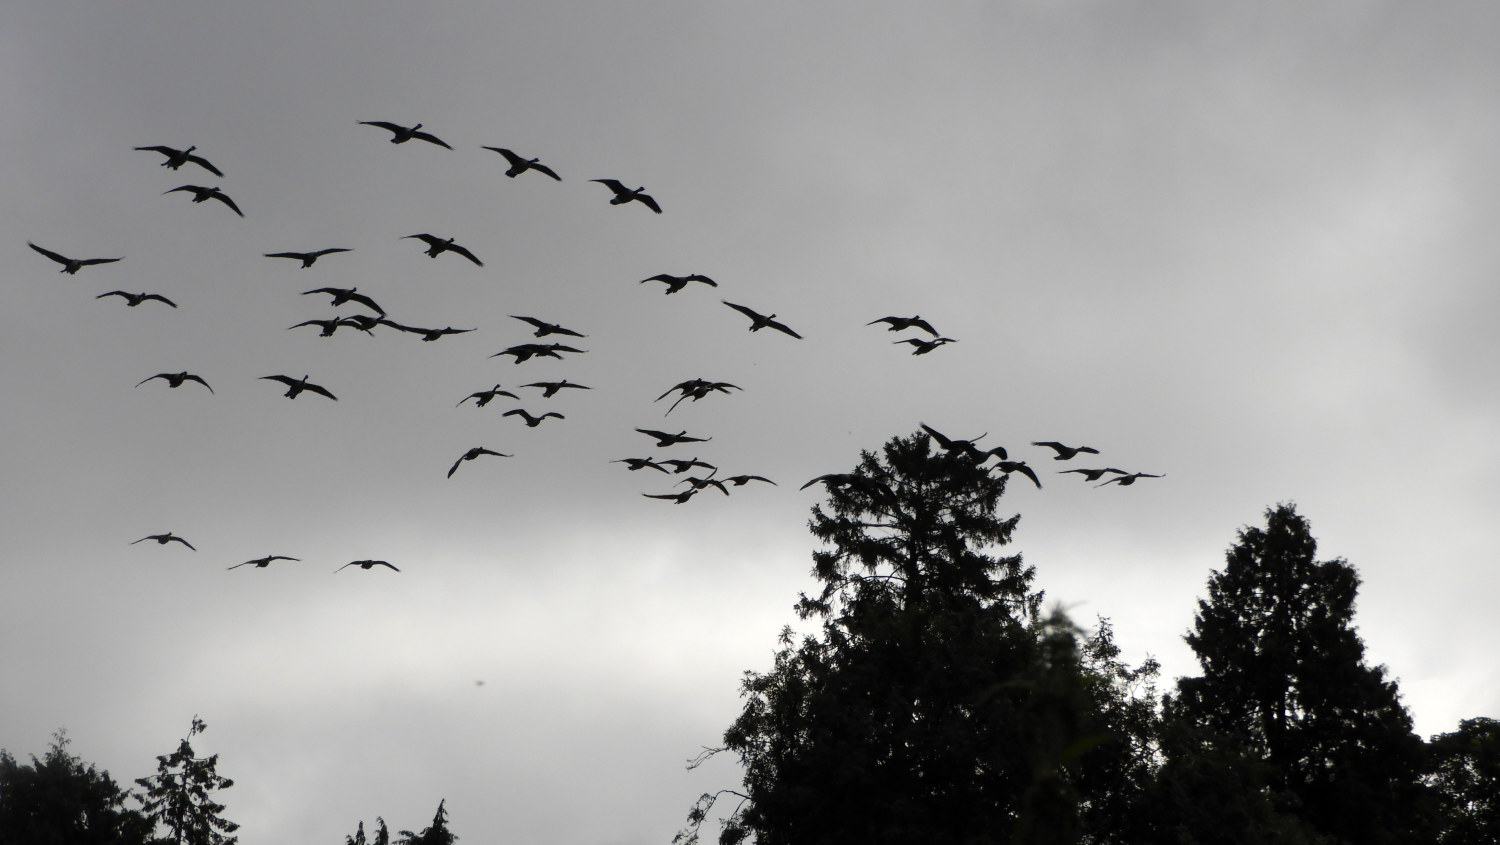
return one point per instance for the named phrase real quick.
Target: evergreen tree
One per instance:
(178, 796)
(1285, 686)
(436, 833)
(933, 705)
(382, 836)
(1465, 775)
(58, 800)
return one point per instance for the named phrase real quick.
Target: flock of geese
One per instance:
(692, 390)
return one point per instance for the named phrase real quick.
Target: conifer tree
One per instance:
(60, 799)
(1287, 703)
(436, 833)
(933, 704)
(179, 796)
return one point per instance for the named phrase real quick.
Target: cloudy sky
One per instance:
(1246, 246)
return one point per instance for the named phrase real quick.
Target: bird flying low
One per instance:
(550, 388)
(134, 299)
(520, 165)
(760, 321)
(176, 379)
(624, 194)
(437, 246)
(1093, 474)
(679, 465)
(307, 258)
(330, 326)
(1009, 467)
(634, 464)
(1129, 478)
(544, 328)
(677, 283)
(701, 483)
(1065, 452)
(343, 295)
(200, 194)
(531, 422)
(70, 265)
(471, 455)
(677, 498)
(294, 387)
(365, 564)
(696, 389)
(525, 351)
(402, 134)
(922, 347)
(742, 480)
(902, 323)
(966, 448)
(263, 562)
(428, 335)
(483, 397)
(163, 539)
(177, 158)
(664, 439)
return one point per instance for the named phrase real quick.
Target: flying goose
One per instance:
(176, 379)
(624, 194)
(483, 397)
(177, 158)
(164, 539)
(677, 498)
(679, 465)
(677, 283)
(307, 258)
(134, 299)
(401, 134)
(1065, 452)
(343, 295)
(364, 564)
(531, 422)
(525, 351)
(1009, 467)
(760, 321)
(263, 562)
(1093, 474)
(664, 439)
(330, 326)
(201, 194)
(520, 165)
(1129, 478)
(471, 455)
(428, 335)
(437, 246)
(922, 347)
(634, 464)
(544, 328)
(70, 265)
(296, 386)
(550, 388)
(900, 323)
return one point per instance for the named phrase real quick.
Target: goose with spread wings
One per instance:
(71, 265)
(624, 194)
(471, 455)
(544, 328)
(1065, 452)
(677, 283)
(519, 165)
(531, 421)
(437, 246)
(295, 387)
(177, 158)
(343, 295)
(176, 379)
(664, 439)
(760, 321)
(202, 194)
(897, 324)
(163, 539)
(307, 258)
(401, 134)
(483, 397)
(263, 562)
(365, 564)
(922, 347)
(134, 299)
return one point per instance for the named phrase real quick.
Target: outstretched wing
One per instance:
(430, 138)
(748, 312)
(465, 253)
(50, 254)
(224, 198)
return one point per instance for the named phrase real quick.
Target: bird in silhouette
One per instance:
(134, 299)
(402, 134)
(364, 322)
(677, 498)
(1065, 452)
(200, 194)
(471, 455)
(70, 265)
(520, 165)
(696, 389)
(634, 464)
(365, 564)
(330, 326)
(550, 388)
(701, 483)
(1093, 474)
(677, 283)
(838, 480)
(176, 379)
(428, 335)
(525, 351)
(1009, 467)
(966, 448)
(664, 439)
(922, 347)
(263, 562)
(760, 321)
(531, 422)
(1129, 478)
(544, 328)
(624, 194)
(164, 539)
(742, 480)
(680, 465)
(294, 387)
(343, 295)
(897, 324)
(177, 158)
(437, 246)
(483, 397)
(307, 258)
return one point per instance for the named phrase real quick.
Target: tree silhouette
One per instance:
(1465, 775)
(178, 795)
(382, 836)
(436, 833)
(933, 705)
(58, 799)
(1285, 685)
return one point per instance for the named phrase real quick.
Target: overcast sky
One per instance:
(1246, 246)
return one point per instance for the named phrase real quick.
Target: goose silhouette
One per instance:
(922, 347)
(295, 387)
(437, 246)
(676, 498)
(531, 422)
(1092, 474)
(471, 455)
(897, 324)
(428, 335)
(330, 326)
(401, 134)
(519, 165)
(544, 328)
(71, 265)
(163, 539)
(1129, 478)
(134, 299)
(1065, 452)
(634, 464)
(263, 562)
(343, 295)
(760, 321)
(307, 258)
(624, 194)
(550, 388)
(483, 397)
(202, 194)
(365, 564)
(680, 465)
(664, 439)
(677, 283)
(176, 379)
(177, 158)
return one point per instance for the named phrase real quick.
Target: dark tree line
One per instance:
(936, 703)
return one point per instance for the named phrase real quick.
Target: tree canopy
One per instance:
(60, 800)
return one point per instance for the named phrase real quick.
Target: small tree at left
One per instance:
(179, 796)
(60, 800)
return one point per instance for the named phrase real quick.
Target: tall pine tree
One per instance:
(179, 795)
(1286, 702)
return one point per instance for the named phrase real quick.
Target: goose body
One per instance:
(202, 194)
(471, 455)
(295, 387)
(307, 258)
(677, 283)
(663, 439)
(437, 246)
(760, 321)
(134, 299)
(401, 134)
(897, 324)
(343, 295)
(483, 397)
(263, 562)
(531, 421)
(624, 194)
(70, 265)
(163, 539)
(365, 564)
(519, 165)
(177, 158)
(176, 379)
